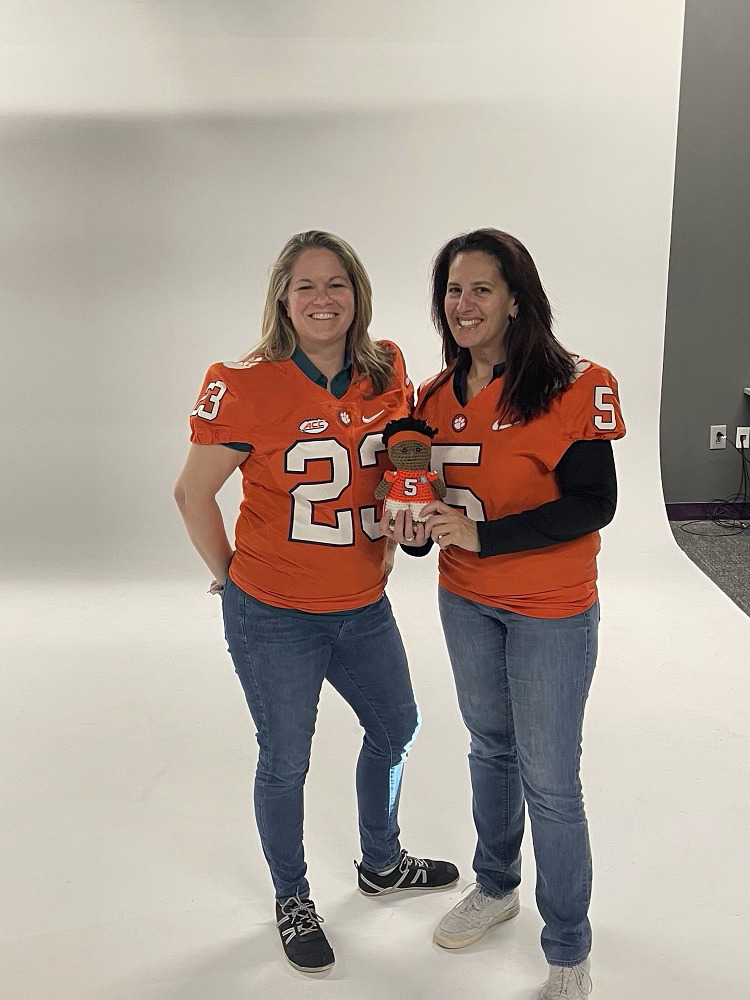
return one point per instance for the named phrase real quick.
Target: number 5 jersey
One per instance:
(306, 537)
(493, 468)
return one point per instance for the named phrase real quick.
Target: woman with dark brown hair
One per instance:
(524, 448)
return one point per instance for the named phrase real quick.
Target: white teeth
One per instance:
(323, 315)
(469, 322)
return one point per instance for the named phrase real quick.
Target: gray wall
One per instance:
(707, 344)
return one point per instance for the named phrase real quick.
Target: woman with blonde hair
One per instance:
(303, 596)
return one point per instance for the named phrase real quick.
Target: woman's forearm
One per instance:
(205, 526)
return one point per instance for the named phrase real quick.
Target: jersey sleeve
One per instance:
(399, 367)
(589, 410)
(220, 414)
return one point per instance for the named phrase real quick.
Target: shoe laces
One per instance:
(476, 899)
(301, 915)
(407, 862)
(565, 978)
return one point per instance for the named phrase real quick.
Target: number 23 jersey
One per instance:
(492, 469)
(306, 537)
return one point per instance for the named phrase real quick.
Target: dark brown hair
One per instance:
(406, 424)
(537, 366)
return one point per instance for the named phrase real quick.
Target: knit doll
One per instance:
(411, 486)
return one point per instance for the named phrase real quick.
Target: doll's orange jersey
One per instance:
(410, 486)
(492, 469)
(306, 537)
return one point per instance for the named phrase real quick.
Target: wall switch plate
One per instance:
(718, 436)
(742, 432)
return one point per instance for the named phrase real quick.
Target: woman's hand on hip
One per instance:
(447, 526)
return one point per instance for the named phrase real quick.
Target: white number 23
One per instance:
(208, 404)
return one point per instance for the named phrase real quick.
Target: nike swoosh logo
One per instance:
(501, 427)
(369, 420)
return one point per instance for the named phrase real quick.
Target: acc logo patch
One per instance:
(315, 425)
(459, 422)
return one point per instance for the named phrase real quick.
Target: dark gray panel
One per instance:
(707, 346)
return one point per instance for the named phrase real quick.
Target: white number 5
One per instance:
(600, 422)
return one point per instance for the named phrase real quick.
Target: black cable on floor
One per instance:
(723, 514)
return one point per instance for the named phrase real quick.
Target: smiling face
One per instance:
(320, 301)
(478, 304)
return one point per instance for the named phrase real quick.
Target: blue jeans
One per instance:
(282, 660)
(522, 684)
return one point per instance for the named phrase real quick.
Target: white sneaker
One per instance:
(474, 915)
(568, 982)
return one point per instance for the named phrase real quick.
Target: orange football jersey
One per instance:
(306, 536)
(408, 486)
(492, 468)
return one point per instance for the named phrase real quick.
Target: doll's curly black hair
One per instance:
(407, 424)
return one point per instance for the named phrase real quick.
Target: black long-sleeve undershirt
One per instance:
(588, 486)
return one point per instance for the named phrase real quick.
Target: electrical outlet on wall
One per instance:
(742, 432)
(718, 436)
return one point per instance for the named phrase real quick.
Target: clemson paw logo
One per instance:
(345, 417)
(459, 422)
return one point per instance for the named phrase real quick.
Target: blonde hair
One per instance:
(278, 338)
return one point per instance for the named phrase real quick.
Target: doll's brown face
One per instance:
(410, 455)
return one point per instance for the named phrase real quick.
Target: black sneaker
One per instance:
(305, 944)
(409, 873)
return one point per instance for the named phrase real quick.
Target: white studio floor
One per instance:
(130, 863)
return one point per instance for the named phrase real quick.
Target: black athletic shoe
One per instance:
(305, 944)
(409, 873)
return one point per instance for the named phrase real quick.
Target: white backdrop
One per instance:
(135, 247)
(154, 158)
